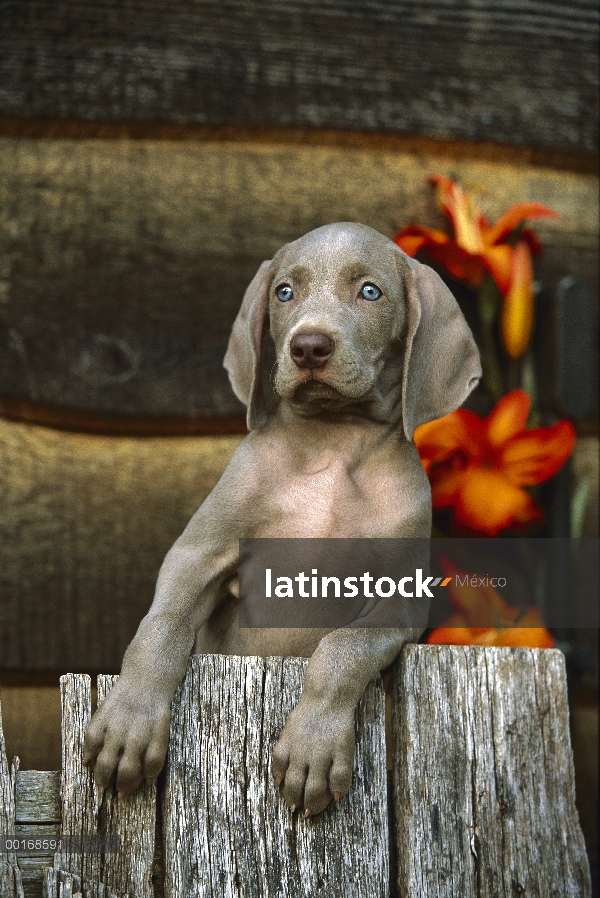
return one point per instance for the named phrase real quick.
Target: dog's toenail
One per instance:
(293, 808)
(307, 812)
(337, 796)
(278, 781)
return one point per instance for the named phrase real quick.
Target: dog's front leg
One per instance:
(128, 736)
(314, 756)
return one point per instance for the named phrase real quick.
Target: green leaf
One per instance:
(488, 302)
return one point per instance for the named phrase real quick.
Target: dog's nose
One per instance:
(311, 350)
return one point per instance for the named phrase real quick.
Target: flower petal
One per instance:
(465, 215)
(460, 264)
(445, 486)
(499, 262)
(527, 637)
(451, 635)
(412, 238)
(490, 636)
(488, 502)
(537, 454)
(443, 249)
(516, 214)
(516, 318)
(508, 418)
(532, 241)
(461, 429)
(531, 619)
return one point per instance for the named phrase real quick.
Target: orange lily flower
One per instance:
(478, 246)
(484, 604)
(516, 318)
(479, 466)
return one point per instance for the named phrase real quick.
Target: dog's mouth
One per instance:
(314, 386)
(314, 394)
(331, 385)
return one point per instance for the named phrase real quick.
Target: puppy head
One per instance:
(355, 324)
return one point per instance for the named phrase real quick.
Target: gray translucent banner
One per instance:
(503, 582)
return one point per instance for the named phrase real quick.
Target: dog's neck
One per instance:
(328, 431)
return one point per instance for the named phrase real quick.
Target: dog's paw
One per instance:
(127, 739)
(313, 758)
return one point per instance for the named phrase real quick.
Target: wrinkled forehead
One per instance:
(334, 252)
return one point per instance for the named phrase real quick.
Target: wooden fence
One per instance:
(482, 802)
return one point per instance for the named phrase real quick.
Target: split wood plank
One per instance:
(37, 796)
(124, 262)
(484, 781)
(11, 885)
(37, 817)
(130, 869)
(480, 71)
(85, 811)
(61, 884)
(80, 797)
(227, 830)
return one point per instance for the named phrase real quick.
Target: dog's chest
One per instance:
(331, 498)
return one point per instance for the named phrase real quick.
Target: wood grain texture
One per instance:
(484, 784)
(227, 830)
(32, 866)
(11, 883)
(133, 819)
(523, 74)
(37, 796)
(80, 798)
(37, 816)
(484, 801)
(86, 522)
(62, 884)
(123, 263)
(86, 811)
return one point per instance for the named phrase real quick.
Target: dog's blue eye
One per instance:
(370, 292)
(284, 293)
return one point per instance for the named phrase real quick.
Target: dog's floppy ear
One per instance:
(441, 359)
(243, 359)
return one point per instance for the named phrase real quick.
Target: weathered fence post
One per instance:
(484, 781)
(11, 885)
(483, 806)
(227, 829)
(85, 812)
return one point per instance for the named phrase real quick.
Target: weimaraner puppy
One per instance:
(368, 344)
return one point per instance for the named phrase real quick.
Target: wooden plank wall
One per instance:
(124, 261)
(522, 73)
(86, 522)
(151, 156)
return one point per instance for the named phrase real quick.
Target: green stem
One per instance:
(487, 310)
(529, 384)
(514, 374)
